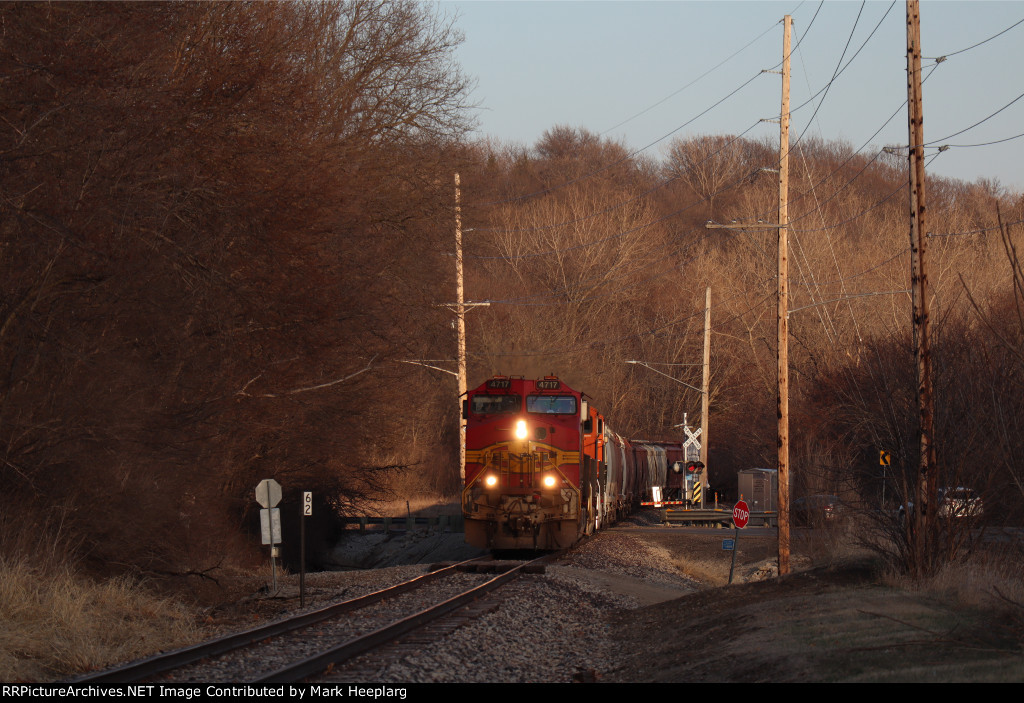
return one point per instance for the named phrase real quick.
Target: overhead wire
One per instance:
(623, 203)
(835, 76)
(632, 154)
(877, 266)
(590, 346)
(694, 81)
(979, 122)
(943, 57)
(715, 67)
(817, 208)
(828, 324)
(624, 159)
(991, 143)
(984, 230)
(677, 212)
(518, 257)
(663, 183)
(857, 175)
(560, 293)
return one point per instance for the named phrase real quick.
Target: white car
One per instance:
(954, 504)
(959, 502)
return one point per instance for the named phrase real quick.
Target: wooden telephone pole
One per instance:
(705, 391)
(925, 512)
(460, 315)
(783, 315)
(783, 303)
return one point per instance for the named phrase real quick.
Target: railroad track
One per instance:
(306, 645)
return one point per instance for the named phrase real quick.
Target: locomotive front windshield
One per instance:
(551, 404)
(496, 404)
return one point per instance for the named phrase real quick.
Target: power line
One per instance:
(694, 81)
(864, 272)
(992, 143)
(590, 346)
(838, 71)
(623, 203)
(627, 157)
(710, 70)
(982, 121)
(984, 230)
(975, 46)
(631, 230)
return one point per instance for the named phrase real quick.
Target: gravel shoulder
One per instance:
(643, 603)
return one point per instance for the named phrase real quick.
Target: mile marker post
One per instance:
(307, 510)
(740, 516)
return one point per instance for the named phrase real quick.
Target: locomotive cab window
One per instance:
(551, 404)
(496, 404)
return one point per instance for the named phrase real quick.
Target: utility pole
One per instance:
(459, 308)
(460, 315)
(704, 393)
(783, 334)
(927, 497)
(783, 302)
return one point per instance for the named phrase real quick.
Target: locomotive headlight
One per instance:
(490, 480)
(549, 481)
(521, 431)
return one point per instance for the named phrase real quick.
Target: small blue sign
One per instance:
(728, 544)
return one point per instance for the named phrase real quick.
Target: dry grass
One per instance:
(992, 578)
(421, 506)
(58, 623)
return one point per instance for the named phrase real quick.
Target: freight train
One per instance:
(544, 469)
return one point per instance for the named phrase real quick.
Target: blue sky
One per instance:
(648, 71)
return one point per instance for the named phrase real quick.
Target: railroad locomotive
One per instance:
(543, 469)
(532, 449)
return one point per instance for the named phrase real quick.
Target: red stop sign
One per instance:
(740, 514)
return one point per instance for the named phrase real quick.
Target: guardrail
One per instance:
(715, 517)
(441, 523)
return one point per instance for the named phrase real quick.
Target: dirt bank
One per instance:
(832, 619)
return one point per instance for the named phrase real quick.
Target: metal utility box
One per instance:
(760, 489)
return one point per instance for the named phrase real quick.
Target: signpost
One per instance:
(740, 517)
(268, 495)
(307, 510)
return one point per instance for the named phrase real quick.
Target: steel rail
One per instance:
(161, 663)
(319, 663)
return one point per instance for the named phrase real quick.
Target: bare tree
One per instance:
(199, 220)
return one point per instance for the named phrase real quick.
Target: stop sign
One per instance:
(268, 493)
(740, 514)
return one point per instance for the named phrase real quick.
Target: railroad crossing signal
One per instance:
(692, 445)
(883, 458)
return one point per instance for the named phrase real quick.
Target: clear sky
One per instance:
(648, 71)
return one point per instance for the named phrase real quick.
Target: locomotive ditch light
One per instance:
(521, 431)
(490, 480)
(549, 481)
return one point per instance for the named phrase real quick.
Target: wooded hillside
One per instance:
(224, 225)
